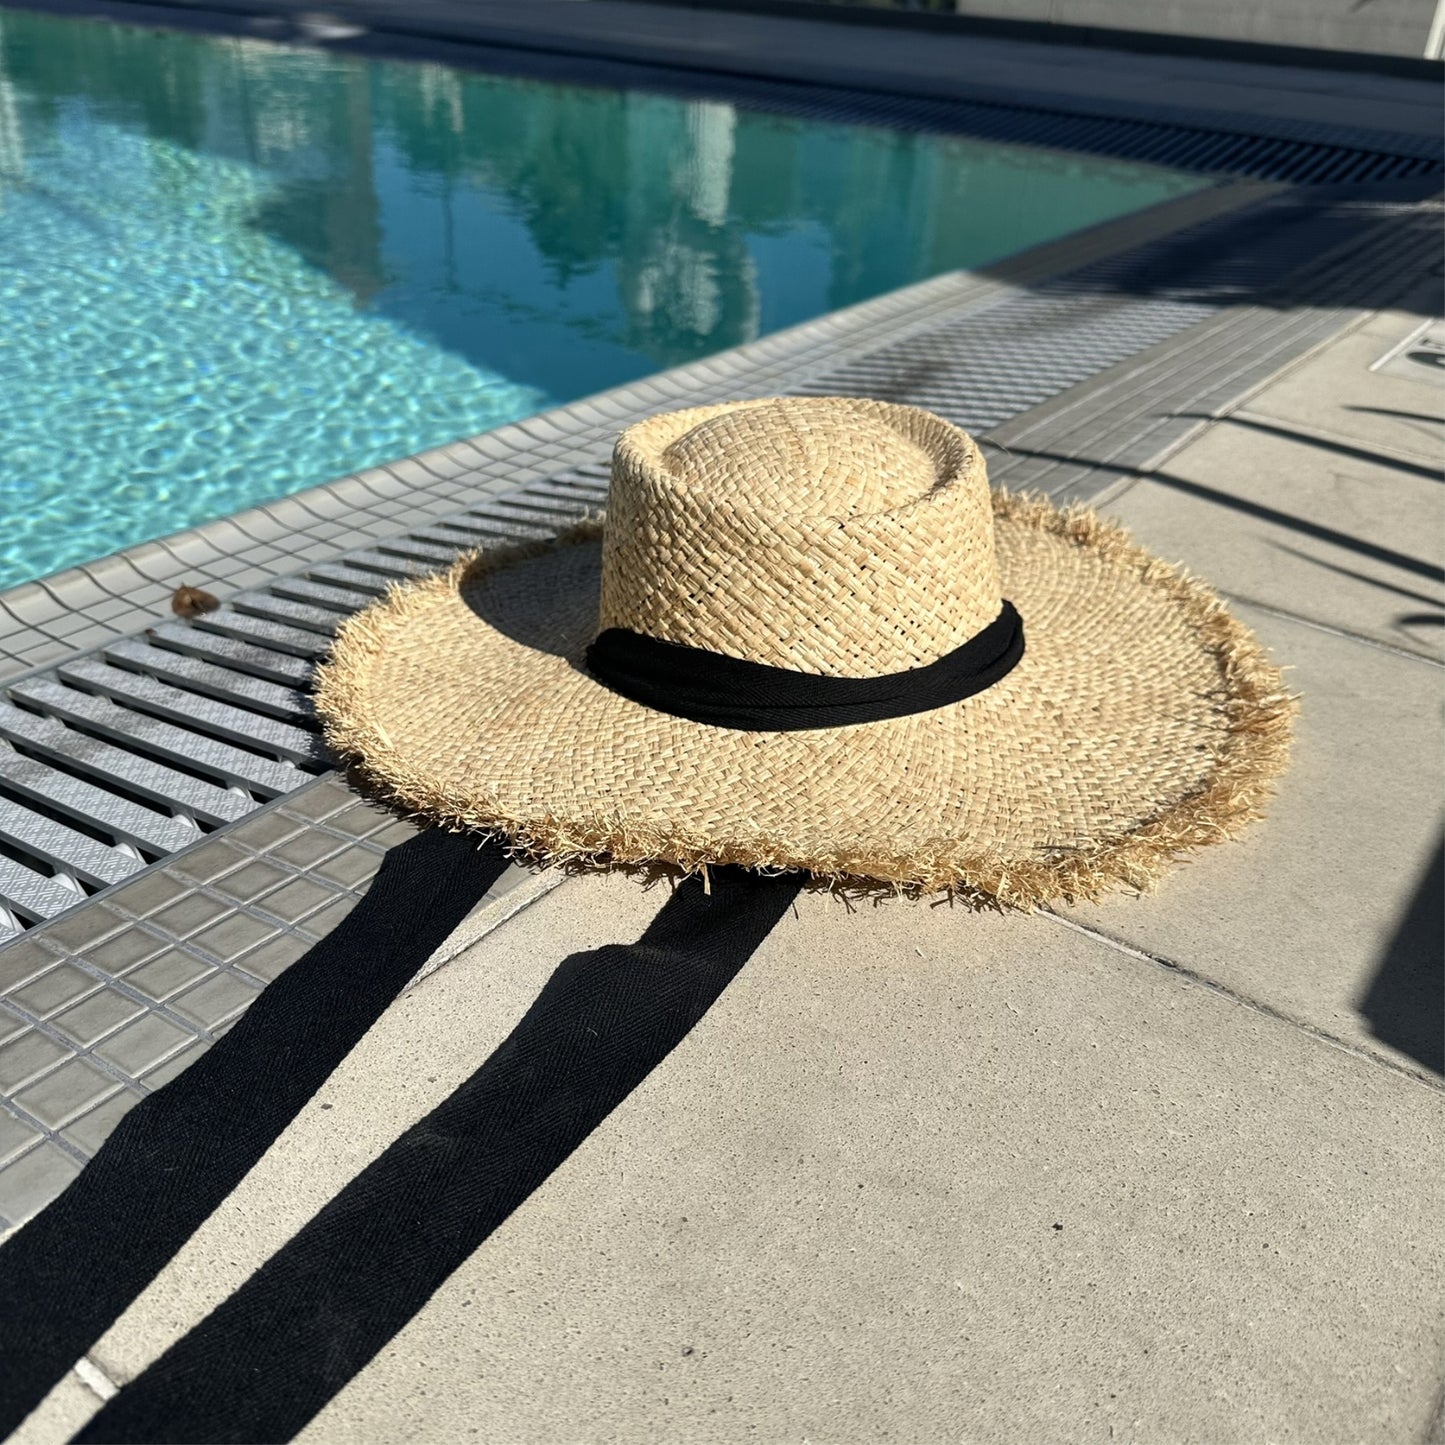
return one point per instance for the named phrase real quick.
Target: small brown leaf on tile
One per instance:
(192, 601)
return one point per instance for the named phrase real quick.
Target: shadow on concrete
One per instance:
(1359, 576)
(1436, 420)
(1415, 565)
(1405, 1004)
(1343, 449)
(75, 1268)
(1402, 622)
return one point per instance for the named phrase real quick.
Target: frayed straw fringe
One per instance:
(1255, 751)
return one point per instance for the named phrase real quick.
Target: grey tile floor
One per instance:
(108, 1003)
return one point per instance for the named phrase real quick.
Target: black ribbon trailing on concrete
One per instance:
(733, 692)
(270, 1357)
(71, 1272)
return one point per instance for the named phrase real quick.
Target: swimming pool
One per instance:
(230, 270)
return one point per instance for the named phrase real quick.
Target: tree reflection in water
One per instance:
(232, 269)
(568, 238)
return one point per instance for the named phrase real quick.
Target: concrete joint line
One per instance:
(1245, 1001)
(488, 917)
(1340, 632)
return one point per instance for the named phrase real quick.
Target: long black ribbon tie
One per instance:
(733, 692)
(70, 1273)
(268, 1359)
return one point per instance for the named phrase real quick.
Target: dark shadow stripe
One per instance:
(1405, 1004)
(71, 1272)
(1359, 576)
(270, 1357)
(1415, 565)
(1433, 418)
(1374, 458)
(1299, 524)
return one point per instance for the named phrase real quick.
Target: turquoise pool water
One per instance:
(229, 270)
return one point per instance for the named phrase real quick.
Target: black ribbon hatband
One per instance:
(733, 692)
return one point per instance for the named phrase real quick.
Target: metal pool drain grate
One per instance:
(1025, 348)
(1278, 149)
(126, 754)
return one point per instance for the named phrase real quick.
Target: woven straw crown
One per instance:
(846, 539)
(842, 538)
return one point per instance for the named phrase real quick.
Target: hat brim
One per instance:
(1143, 720)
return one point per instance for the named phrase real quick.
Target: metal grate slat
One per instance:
(164, 740)
(164, 700)
(531, 508)
(306, 616)
(245, 658)
(574, 497)
(221, 683)
(388, 567)
(316, 593)
(464, 533)
(263, 633)
(139, 775)
(363, 585)
(442, 553)
(555, 513)
(121, 818)
(63, 847)
(32, 895)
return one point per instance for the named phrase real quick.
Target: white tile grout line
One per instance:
(1244, 1000)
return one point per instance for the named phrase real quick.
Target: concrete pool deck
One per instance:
(1161, 1170)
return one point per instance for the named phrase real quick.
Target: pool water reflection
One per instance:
(229, 270)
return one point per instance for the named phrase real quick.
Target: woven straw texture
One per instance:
(832, 536)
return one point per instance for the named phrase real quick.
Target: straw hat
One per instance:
(921, 683)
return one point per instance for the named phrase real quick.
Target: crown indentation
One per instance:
(798, 459)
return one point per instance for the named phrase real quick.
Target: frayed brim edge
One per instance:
(1259, 714)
